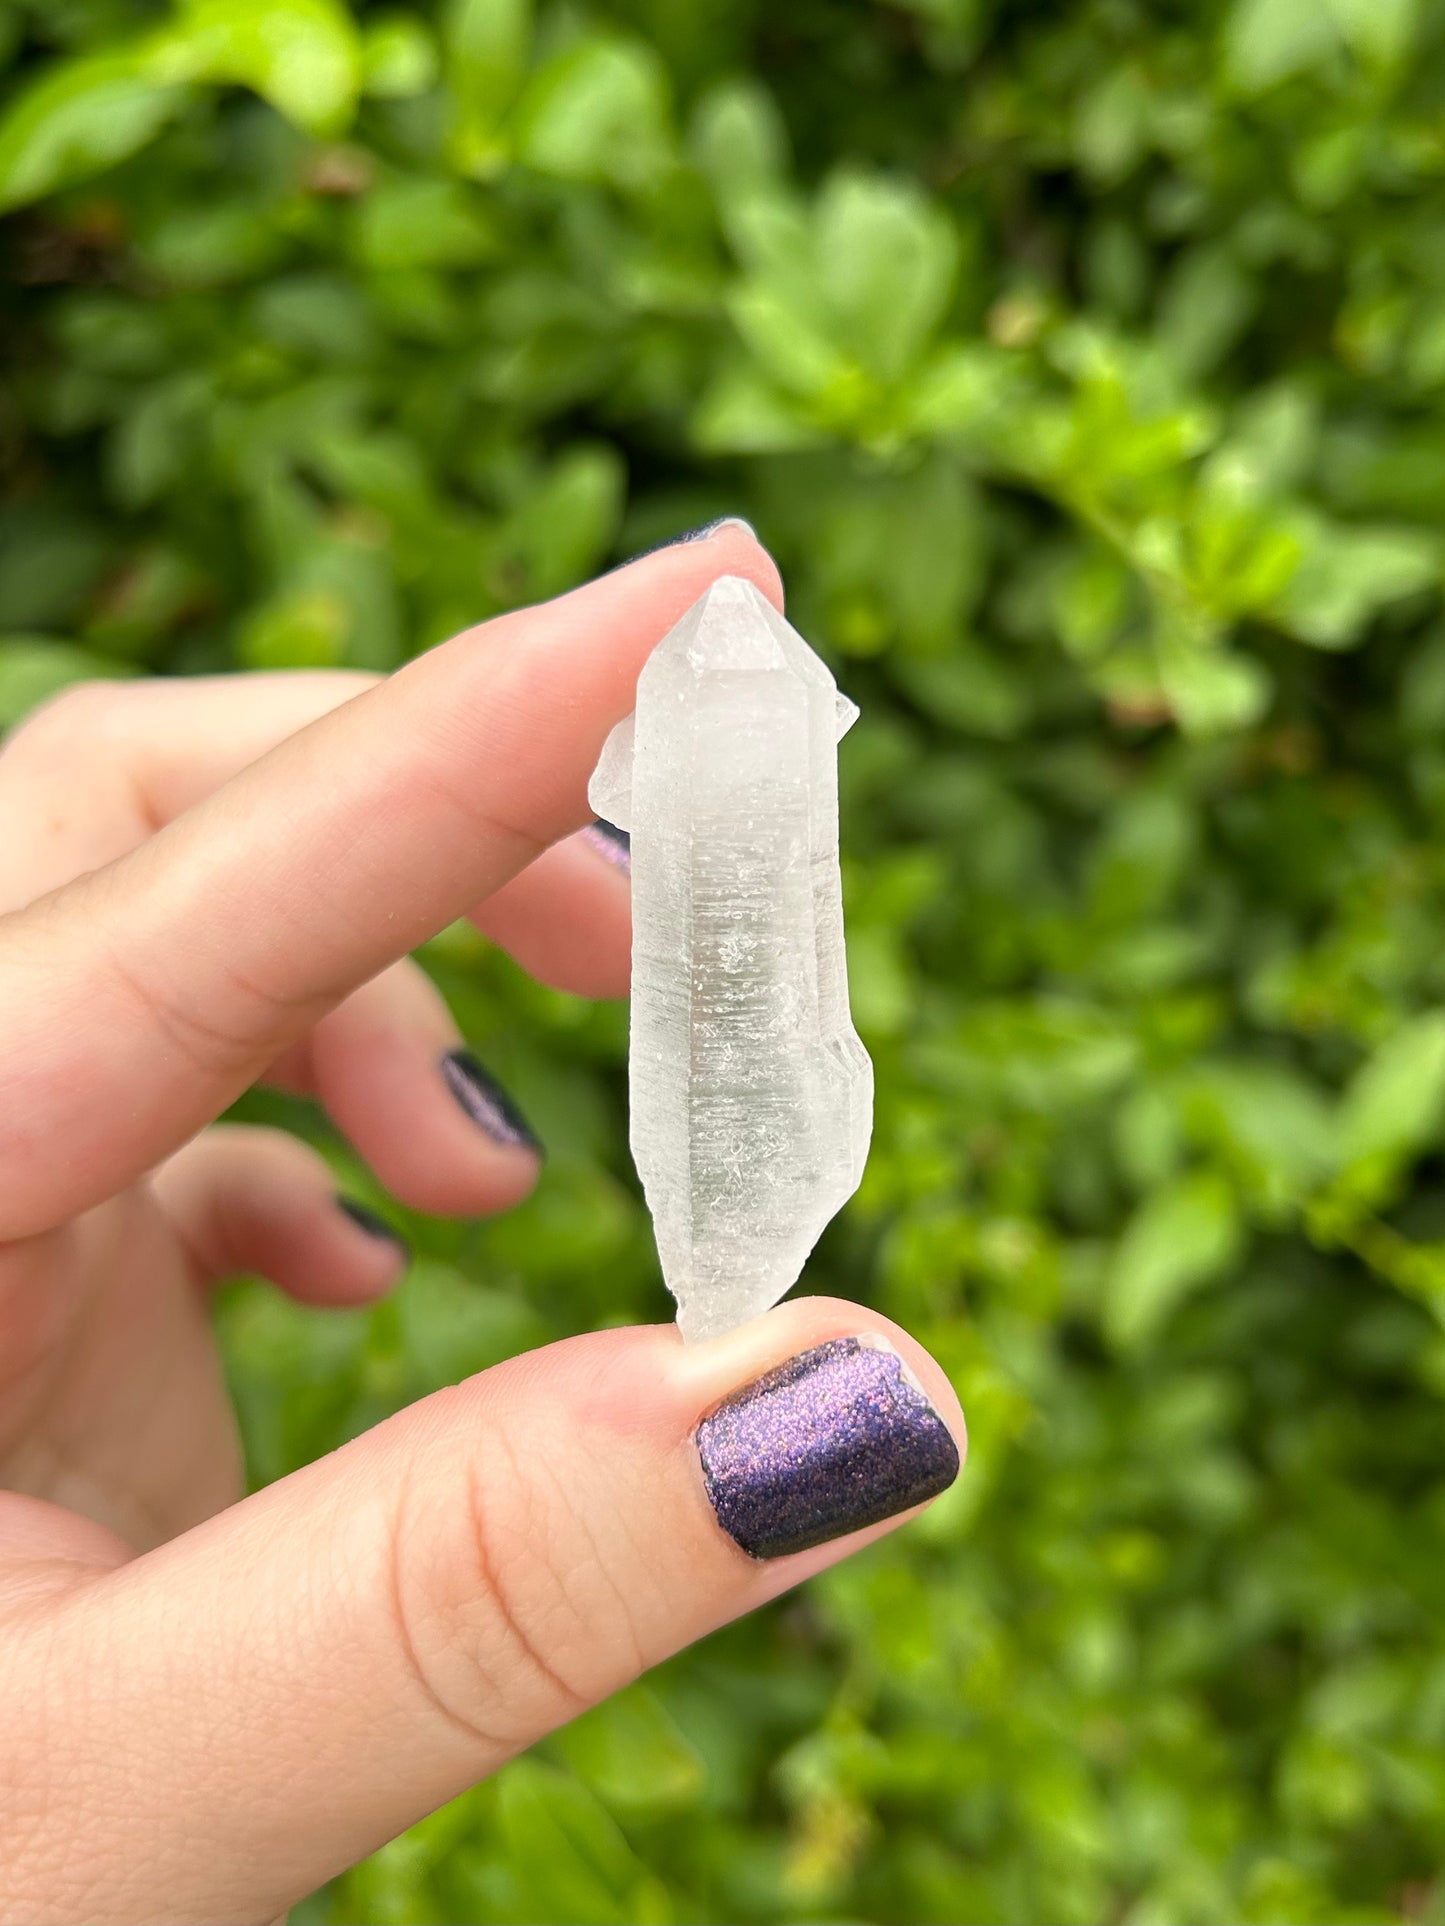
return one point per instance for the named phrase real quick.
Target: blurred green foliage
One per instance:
(1084, 366)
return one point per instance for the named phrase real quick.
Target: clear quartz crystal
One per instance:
(752, 1097)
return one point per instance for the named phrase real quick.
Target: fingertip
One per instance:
(508, 1179)
(379, 1256)
(730, 546)
(250, 1199)
(739, 542)
(918, 1361)
(567, 917)
(844, 1437)
(612, 844)
(484, 1100)
(801, 1324)
(437, 1129)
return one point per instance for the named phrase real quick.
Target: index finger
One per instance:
(148, 994)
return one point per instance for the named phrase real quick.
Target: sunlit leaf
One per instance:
(301, 55)
(80, 117)
(597, 112)
(1396, 1098)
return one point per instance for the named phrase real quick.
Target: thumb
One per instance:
(271, 1696)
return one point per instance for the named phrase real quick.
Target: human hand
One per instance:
(208, 1707)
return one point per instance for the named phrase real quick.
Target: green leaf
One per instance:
(51, 565)
(487, 44)
(1090, 600)
(1273, 1125)
(162, 432)
(35, 667)
(886, 263)
(1268, 40)
(1422, 691)
(206, 247)
(598, 112)
(304, 628)
(969, 690)
(301, 55)
(1393, 1104)
(739, 139)
(878, 981)
(415, 221)
(633, 1756)
(1274, 435)
(1179, 1239)
(320, 317)
(1240, 556)
(1212, 691)
(12, 31)
(453, 1326)
(1042, 1055)
(1347, 574)
(744, 413)
(1206, 304)
(961, 389)
(1111, 128)
(80, 117)
(793, 347)
(771, 234)
(563, 528)
(575, 1867)
(1149, 1136)
(399, 58)
(1380, 32)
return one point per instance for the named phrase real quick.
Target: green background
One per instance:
(1084, 367)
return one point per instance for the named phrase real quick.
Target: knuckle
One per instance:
(507, 1615)
(78, 713)
(257, 1019)
(207, 1047)
(479, 817)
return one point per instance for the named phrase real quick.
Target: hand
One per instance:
(210, 1704)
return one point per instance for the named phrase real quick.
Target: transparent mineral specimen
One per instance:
(752, 1097)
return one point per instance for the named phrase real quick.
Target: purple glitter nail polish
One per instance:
(486, 1102)
(833, 1440)
(612, 844)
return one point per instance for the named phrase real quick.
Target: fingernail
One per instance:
(366, 1219)
(833, 1440)
(716, 527)
(612, 844)
(486, 1102)
(696, 535)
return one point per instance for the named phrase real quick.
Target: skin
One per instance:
(210, 1703)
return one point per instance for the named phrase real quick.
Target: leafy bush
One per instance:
(1084, 366)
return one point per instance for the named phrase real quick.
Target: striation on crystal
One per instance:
(751, 1095)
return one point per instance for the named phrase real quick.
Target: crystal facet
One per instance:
(752, 1097)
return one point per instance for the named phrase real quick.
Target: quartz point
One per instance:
(751, 1094)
